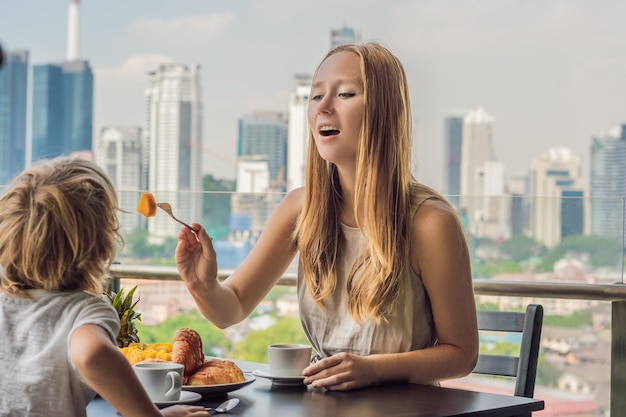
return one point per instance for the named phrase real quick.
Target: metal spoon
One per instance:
(167, 207)
(224, 407)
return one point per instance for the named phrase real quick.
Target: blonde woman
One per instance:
(58, 232)
(384, 280)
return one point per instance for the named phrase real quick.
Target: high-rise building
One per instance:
(62, 117)
(13, 98)
(118, 152)
(265, 134)
(172, 136)
(558, 208)
(453, 130)
(608, 183)
(476, 150)
(62, 109)
(343, 35)
(298, 135)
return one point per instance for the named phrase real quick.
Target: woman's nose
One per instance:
(325, 105)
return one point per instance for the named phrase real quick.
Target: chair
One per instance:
(524, 366)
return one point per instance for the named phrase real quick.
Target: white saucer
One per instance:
(279, 380)
(185, 397)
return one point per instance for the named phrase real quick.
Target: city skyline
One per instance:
(551, 73)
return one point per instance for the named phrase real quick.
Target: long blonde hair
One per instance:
(58, 228)
(384, 188)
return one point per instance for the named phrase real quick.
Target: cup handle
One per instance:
(176, 383)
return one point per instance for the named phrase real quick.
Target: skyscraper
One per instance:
(558, 209)
(118, 152)
(608, 183)
(265, 133)
(298, 135)
(453, 126)
(343, 35)
(13, 97)
(172, 135)
(63, 100)
(476, 151)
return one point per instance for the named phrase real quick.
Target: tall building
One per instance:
(265, 134)
(608, 183)
(476, 150)
(62, 116)
(13, 98)
(118, 152)
(558, 208)
(298, 134)
(453, 130)
(343, 35)
(172, 135)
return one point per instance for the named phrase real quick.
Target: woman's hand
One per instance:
(196, 260)
(340, 372)
(184, 411)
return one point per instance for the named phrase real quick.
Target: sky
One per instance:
(550, 72)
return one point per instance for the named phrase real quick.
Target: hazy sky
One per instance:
(551, 72)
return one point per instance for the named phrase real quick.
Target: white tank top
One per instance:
(332, 330)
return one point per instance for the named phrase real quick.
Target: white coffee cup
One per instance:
(161, 380)
(288, 360)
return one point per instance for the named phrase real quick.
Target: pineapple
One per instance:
(125, 308)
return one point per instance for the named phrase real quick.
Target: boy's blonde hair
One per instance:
(59, 229)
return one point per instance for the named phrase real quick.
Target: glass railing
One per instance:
(564, 253)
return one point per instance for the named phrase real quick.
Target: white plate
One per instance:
(280, 380)
(219, 388)
(185, 397)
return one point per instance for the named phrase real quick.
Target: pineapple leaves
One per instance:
(125, 307)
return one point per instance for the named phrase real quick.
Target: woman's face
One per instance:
(336, 108)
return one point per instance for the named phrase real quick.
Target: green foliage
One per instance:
(522, 247)
(578, 319)
(214, 342)
(138, 247)
(495, 267)
(254, 347)
(602, 251)
(125, 307)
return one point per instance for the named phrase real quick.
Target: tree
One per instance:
(254, 347)
(521, 248)
(602, 251)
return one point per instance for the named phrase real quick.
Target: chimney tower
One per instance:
(73, 30)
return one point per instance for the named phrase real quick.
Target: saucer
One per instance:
(280, 380)
(185, 397)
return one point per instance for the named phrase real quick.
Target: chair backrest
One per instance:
(524, 366)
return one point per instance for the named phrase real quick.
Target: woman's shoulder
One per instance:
(432, 211)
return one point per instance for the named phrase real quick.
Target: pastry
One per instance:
(187, 349)
(216, 371)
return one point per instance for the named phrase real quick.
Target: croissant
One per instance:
(187, 349)
(216, 371)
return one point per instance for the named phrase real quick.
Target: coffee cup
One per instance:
(288, 360)
(161, 380)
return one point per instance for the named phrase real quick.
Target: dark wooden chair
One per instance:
(523, 367)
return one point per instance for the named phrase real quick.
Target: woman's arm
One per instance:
(228, 302)
(108, 372)
(439, 255)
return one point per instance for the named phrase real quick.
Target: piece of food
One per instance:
(187, 349)
(155, 352)
(147, 205)
(216, 371)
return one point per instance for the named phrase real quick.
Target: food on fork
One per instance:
(216, 371)
(147, 205)
(187, 349)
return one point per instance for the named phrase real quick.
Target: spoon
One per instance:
(224, 407)
(167, 207)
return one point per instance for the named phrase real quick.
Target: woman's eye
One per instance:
(346, 95)
(316, 97)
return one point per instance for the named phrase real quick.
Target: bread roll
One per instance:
(216, 371)
(187, 349)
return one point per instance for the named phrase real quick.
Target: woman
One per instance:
(384, 281)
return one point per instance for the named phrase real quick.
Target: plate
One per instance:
(185, 397)
(217, 389)
(280, 380)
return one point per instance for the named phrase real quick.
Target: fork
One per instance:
(167, 207)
